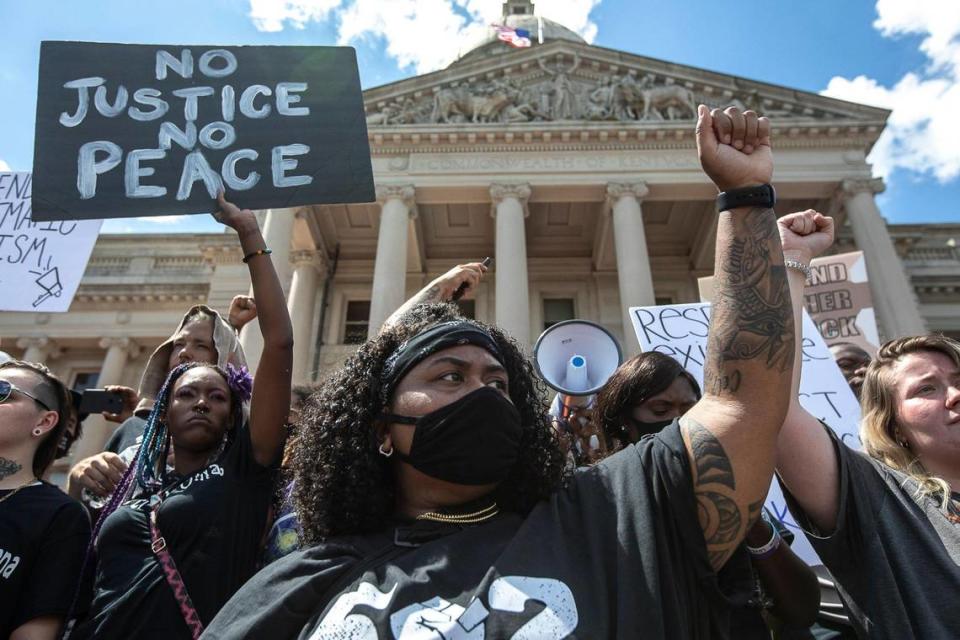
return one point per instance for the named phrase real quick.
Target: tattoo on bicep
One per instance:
(752, 317)
(8, 467)
(721, 518)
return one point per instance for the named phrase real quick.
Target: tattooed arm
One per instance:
(442, 289)
(731, 433)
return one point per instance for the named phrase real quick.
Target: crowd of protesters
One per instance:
(422, 490)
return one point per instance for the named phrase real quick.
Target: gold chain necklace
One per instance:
(14, 492)
(462, 518)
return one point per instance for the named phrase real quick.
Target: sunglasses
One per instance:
(6, 388)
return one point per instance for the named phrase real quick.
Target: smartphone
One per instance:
(99, 400)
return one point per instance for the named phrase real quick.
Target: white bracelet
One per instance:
(799, 266)
(767, 549)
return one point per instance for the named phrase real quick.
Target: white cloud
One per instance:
(423, 34)
(4, 166)
(165, 220)
(270, 15)
(923, 129)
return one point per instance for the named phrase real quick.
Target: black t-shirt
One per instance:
(895, 555)
(213, 522)
(43, 537)
(617, 553)
(126, 435)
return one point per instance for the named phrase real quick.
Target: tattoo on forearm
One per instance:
(751, 319)
(8, 468)
(714, 484)
(430, 295)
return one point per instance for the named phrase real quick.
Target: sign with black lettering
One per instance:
(680, 331)
(837, 295)
(41, 263)
(142, 130)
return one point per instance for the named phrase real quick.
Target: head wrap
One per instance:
(429, 341)
(224, 341)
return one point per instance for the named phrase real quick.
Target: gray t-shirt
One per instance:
(895, 555)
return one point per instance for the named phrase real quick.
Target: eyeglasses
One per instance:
(6, 388)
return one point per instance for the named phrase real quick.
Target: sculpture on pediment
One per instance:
(481, 103)
(600, 101)
(645, 100)
(563, 93)
(384, 116)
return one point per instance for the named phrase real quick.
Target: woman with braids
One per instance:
(42, 531)
(431, 490)
(174, 545)
(642, 397)
(886, 522)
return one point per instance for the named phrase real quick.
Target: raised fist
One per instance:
(734, 147)
(243, 309)
(805, 234)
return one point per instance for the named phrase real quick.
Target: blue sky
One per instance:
(900, 54)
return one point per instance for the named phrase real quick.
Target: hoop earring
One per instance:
(37, 432)
(385, 454)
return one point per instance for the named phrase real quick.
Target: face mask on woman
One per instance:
(474, 440)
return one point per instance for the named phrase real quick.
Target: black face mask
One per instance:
(646, 428)
(474, 440)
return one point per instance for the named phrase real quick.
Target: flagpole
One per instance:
(539, 29)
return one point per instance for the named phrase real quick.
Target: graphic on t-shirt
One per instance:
(438, 619)
(8, 563)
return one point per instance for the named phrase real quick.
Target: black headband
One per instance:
(426, 343)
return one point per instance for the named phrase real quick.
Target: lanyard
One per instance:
(159, 547)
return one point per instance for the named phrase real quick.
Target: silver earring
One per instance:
(385, 454)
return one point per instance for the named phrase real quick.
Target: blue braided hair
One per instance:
(152, 452)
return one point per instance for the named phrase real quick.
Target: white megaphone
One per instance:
(576, 358)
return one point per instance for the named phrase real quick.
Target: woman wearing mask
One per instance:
(431, 489)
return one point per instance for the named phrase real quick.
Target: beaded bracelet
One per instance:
(259, 252)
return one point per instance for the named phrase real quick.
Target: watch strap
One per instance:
(762, 195)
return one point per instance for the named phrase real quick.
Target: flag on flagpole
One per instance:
(514, 37)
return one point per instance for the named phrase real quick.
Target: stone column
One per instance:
(512, 286)
(301, 304)
(390, 270)
(893, 296)
(38, 349)
(96, 430)
(277, 232)
(633, 261)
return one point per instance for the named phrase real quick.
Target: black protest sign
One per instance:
(142, 130)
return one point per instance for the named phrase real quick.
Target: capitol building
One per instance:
(572, 165)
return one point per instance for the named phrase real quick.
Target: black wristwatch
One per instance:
(760, 196)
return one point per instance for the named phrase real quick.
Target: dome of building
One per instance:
(519, 15)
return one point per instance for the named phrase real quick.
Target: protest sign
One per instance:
(837, 295)
(680, 331)
(41, 263)
(141, 130)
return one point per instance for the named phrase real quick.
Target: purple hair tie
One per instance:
(240, 381)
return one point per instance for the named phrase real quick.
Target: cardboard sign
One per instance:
(41, 263)
(142, 130)
(837, 295)
(680, 331)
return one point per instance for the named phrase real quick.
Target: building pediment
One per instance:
(570, 82)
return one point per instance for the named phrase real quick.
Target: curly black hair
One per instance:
(343, 486)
